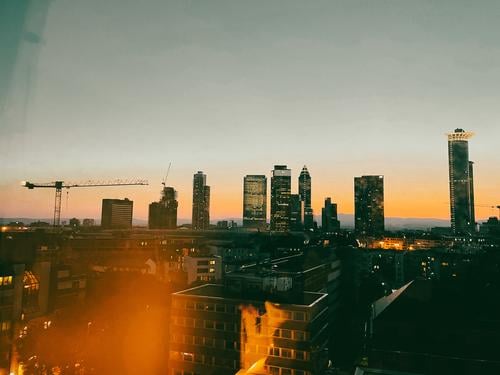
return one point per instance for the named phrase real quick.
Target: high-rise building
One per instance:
(116, 213)
(369, 205)
(461, 182)
(163, 214)
(280, 198)
(305, 196)
(329, 218)
(296, 209)
(255, 201)
(201, 202)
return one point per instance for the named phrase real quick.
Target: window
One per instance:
(286, 371)
(200, 306)
(300, 355)
(198, 340)
(187, 357)
(219, 326)
(274, 351)
(274, 370)
(202, 263)
(286, 333)
(299, 315)
(202, 270)
(286, 315)
(198, 323)
(211, 270)
(212, 262)
(209, 324)
(189, 305)
(286, 353)
(220, 308)
(299, 335)
(230, 309)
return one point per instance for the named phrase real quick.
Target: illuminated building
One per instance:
(216, 331)
(116, 213)
(201, 202)
(255, 201)
(163, 214)
(280, 198)
(203, 268)
(461, 182)
(329, 218)
(369, 205)
(305, 196)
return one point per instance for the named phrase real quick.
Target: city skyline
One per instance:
(370, 91)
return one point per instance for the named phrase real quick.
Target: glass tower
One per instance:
(461, 182)
(280, 198)
(255, 201)
(305, 196)
(369, 205)
(201, 202)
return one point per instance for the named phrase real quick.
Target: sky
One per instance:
(105, 89)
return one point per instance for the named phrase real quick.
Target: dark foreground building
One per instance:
(440, 328)
(214, 330)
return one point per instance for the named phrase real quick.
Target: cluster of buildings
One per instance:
(293, 211)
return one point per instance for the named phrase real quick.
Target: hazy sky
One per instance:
(120, 88)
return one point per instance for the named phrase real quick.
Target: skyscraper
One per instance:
(329, 218)
(461, 182)
(305, 196)
(163, 214)
(296, 209)
(201, 202)
(369, 205)
(116, 213)
(280, 198)
(255, 201)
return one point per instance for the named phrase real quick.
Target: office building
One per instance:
(329, 218)
(280, 198)
(296, 209)
(461, 182)
(163, 214)
(255, 201)
(369, 205)
(201, 202)
(116, 213)
(216, 331)
(203, 269)
(305, 196)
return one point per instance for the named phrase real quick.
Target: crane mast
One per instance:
(59, 185)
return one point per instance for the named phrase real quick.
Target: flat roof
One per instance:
(218, 291)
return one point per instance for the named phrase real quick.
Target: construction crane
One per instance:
(59, 185)
(164, 182)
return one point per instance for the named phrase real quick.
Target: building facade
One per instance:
(305, 196)
(461, 182)
(369, 205)
(296, 210)
(280, 198)
(215, 331)
(163, 214)
(201, 202)
(255, 201)
(116, 213)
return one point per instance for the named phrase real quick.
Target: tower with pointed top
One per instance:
(305, 197)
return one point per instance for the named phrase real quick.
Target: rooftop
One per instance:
(216, 291)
